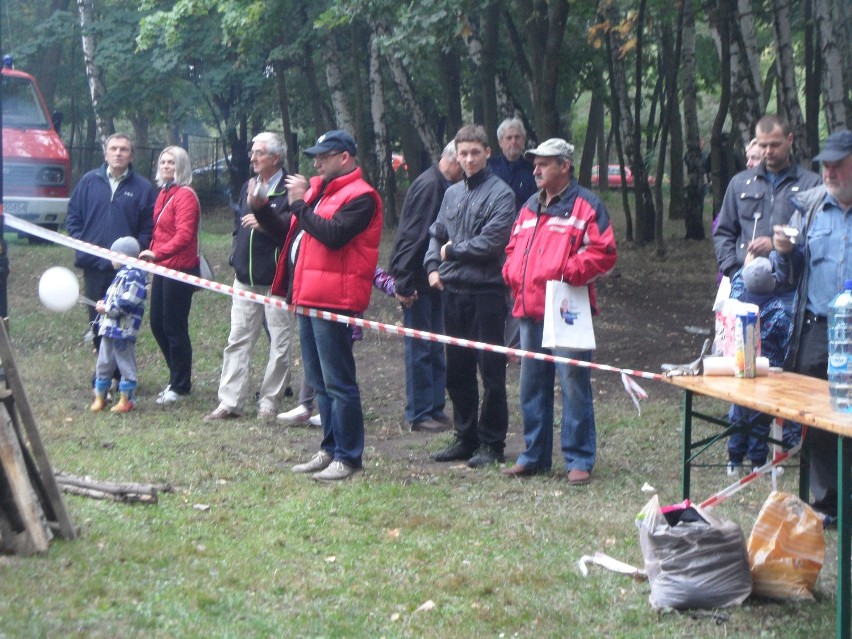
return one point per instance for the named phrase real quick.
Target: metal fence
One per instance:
(210, 171)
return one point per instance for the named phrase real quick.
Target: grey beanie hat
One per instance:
(126, 246)
(758, 276)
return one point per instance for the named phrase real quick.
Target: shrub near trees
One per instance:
(662, 76)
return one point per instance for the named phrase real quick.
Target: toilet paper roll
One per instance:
(724, 366)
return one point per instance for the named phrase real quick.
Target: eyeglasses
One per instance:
(257, 152)
(322, 157)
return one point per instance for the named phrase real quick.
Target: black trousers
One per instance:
(479, 317)
(813, 361)
(171, 302)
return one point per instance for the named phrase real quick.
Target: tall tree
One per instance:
(693, 211)
(93, 70)
(788, 96)
(834, 93)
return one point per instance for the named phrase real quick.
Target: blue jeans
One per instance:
(578, 413)
(425, 367)
(751, 442)
(330, 370)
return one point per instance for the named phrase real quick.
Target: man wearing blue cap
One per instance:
(332, 250)
(817, 264)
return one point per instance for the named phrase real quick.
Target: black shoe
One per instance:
(458, 451)
(486, 455)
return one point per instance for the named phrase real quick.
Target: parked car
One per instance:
(614, 177)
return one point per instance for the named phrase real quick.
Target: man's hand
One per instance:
(406, 300)
(259, 200)
(760, 246)
(444, 250)
(435, 281)
(249, 221)
(297, 185)
(781, 240)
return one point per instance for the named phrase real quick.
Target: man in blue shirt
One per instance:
(511, 166)
(819, 263)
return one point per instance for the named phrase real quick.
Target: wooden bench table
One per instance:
(801, 399)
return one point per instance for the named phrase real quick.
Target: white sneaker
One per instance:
(318, 462)
(299, 415)
(167, 397)
(315, 420)
(734, 469)
(336, 471)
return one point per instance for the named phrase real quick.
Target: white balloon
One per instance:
(58, 289)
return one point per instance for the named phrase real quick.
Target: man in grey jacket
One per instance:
(758, 199)
(464, 260)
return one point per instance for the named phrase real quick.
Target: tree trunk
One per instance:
(594, 131)
(418, 118)
(475, 51)
(693, 210)
(451, 79)
(280, 69)
(721, 20)
(813, 72)
(747, 104)
(832, 66)
(645, 214)
(337, 88)
(787, 92)
(620, 109)
(383, 179)
(97, 90)
(50, 59)
(545, 32)
(490, 22)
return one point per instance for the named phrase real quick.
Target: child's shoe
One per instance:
(124, 405)
(99, 403)
(734, 469)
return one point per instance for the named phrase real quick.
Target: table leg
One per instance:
(844, 519)
(687, 441)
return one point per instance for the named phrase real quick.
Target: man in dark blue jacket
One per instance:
(254, 258)
(109, 202)
(425, 367)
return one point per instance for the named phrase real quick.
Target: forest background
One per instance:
(644, 83)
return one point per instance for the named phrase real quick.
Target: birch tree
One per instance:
(788, 97)
(384, 178)
(834, 94)
(97, 90)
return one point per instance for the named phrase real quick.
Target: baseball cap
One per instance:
(837, 146)
(758, 277)
(126, 246)
(339, 141)
(552, 148)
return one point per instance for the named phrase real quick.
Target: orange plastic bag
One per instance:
(786, 549)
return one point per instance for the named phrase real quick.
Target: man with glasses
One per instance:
(254, 256)
(332, 251)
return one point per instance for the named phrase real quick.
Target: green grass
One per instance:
(245, 548)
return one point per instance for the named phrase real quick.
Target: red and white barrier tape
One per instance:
(778, 456)
(634, 390)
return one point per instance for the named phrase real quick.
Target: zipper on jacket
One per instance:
(527, 250)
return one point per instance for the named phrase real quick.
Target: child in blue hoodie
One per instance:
(754, 283)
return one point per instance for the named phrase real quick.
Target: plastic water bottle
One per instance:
(840, 350)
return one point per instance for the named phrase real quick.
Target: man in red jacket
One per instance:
(562, 233)
(334, 248)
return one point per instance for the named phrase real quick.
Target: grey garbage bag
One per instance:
(693, 559)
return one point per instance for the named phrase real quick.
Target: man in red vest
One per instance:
(333, 249)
